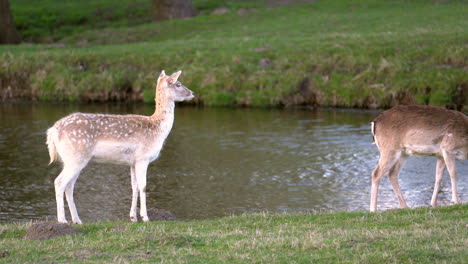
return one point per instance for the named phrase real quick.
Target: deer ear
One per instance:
(163, 73)
(175, 76)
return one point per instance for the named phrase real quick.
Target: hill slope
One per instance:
(340, 53)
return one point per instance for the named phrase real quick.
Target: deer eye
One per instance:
(178, 84)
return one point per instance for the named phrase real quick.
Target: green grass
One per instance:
(399, 236)
(50, 20)
(327, 53)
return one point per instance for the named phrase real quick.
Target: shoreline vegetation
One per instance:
(421, 235)
(352, 54)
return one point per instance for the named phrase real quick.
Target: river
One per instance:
(216, 162)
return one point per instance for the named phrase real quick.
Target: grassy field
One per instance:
(46, 21)
(399, 236)
(364, 54)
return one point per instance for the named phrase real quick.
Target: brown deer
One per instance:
(132, 140)
(419, 131)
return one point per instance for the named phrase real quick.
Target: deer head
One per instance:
(171, 89)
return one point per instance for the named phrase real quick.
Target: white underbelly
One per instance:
(423, 150)
(114, 152)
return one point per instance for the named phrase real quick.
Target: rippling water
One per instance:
(216, 162)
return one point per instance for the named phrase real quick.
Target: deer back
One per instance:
(422, 130)
(110, 138)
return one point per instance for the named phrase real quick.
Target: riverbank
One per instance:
(421, 235)
(371, 54)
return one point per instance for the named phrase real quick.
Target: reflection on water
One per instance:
(216, 162)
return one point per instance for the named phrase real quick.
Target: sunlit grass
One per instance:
(398, 236)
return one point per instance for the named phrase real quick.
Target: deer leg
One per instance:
(59, 198)
(71, 201)
(140, 172)
(452, 169)
(393, 177)
(68, 174)
(438, 178)
(386, 161)
(133, 209)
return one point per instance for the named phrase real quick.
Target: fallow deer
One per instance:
(419, 131)
(133, 140)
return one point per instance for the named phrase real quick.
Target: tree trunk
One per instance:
(8, 33)
(169, 9)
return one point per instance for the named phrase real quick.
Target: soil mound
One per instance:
(160, 215)
(118, 228)
(45, 230)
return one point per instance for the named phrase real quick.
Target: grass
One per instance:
(46, 21)
(49, 20)
(363, 54)
(399, 236)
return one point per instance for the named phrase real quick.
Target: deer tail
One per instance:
(373, 132)
(52, 138)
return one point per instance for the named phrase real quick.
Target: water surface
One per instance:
(216, 162)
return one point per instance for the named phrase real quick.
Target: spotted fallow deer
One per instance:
(419, 131)
(132, 140)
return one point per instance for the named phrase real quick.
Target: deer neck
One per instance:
(164, 113)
